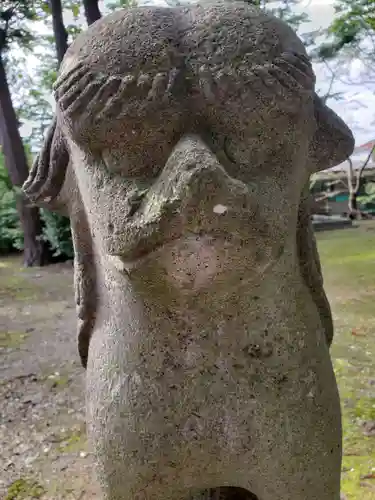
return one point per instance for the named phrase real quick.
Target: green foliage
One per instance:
(56, 228)
(122, 4)
(57, 232)
(10, 228)
(354, 22)
(33, 94)
(14, 15)
(23, 488)
(284, 10)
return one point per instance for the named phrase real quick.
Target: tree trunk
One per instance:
(16, 164)
(353, 206)
(92, 12)
(61, 35)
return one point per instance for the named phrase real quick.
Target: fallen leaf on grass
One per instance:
(355, 333)
(369, 476)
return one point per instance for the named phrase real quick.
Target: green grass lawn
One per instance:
(348, 260)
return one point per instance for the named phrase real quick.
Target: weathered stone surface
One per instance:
(183, 142)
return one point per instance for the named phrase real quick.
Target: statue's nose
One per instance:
(207, 197)
(192, 172)
(193, 190)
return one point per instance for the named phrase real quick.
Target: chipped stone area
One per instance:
(43, 451)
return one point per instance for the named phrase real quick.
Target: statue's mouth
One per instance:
(191, 261)
(139, 255)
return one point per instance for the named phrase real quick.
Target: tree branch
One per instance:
(4, 31)
(350, 174)
(360, 171)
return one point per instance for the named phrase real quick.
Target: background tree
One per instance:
(285, 10)
(10, 230)
(353, 24)
(351, 36)
(31, 90)
(13, 31)
(354, 184)
(59, 31)
(57, 228)
(92, 12)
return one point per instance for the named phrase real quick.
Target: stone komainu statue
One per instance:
(181, 150)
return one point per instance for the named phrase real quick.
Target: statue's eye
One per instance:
(252, 151)
(243, 152)
(238, 149)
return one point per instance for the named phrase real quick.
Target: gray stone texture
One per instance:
(181, 149)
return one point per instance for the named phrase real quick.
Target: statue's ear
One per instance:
(333, 141)
(47, 175)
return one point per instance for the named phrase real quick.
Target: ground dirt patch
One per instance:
(43, 451)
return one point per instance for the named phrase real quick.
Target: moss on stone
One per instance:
(23, 489)
(12, 340)
(73, 441)
(57, 380)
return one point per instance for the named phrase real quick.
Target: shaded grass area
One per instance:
(19, 284)
(348, 260)
(29, 297)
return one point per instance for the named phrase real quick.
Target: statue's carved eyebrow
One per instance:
(48, 172)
